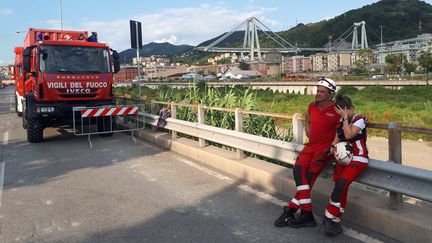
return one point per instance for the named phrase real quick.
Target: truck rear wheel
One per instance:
(34, 130)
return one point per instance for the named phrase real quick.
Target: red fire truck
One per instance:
(57, 70)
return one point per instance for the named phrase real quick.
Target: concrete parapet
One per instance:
(365, 208)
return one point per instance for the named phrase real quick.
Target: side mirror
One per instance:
(116, 59)
(26, 59)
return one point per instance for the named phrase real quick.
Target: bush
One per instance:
(348, 90)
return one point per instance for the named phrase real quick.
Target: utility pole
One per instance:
(61, 15)
(420, 26)
(381, 27)
(330, 42)
(138, 60)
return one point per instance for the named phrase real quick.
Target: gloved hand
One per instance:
(329, 150)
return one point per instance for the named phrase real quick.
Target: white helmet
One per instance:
(328, 83)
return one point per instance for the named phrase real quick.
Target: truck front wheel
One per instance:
(34, 130)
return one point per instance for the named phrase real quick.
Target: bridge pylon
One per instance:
(251, 48)
(363, 37)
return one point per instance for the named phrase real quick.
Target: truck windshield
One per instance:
(74, 59)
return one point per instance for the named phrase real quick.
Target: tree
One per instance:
(365, 58)
(409, 67)
(395, 62)
(425, 61)
(226, 60)
(244, 65)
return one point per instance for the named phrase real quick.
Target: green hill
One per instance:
(399, 18)
(165, 49)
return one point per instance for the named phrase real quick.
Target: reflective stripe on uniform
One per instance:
(303, 187)
(338, 205)
(305, 201)
(331, 216)
(360, 159)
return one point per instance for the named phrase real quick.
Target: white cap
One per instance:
(328, 83)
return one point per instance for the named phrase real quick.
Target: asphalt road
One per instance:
(63, 191)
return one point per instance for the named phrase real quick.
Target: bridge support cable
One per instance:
(271, 37)
(283, 40)
(225, 36)
(342, 38)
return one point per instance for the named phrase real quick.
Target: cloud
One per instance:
(176, 25)
(5, 11)
(170, 39)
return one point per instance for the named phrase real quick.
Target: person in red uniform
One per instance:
(320, 125)
(352, 129)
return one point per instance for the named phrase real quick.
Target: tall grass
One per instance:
(228, 97)
(410, 106)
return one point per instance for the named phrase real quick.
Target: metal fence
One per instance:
(389, 175)
(106, 120)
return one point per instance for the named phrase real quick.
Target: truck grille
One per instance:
(63, 93)
(78, 95)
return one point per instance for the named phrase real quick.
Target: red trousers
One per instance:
(343, 177)
(309, 164)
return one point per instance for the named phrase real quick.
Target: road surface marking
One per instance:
(2, 165)
(6, 138)
(347, 231)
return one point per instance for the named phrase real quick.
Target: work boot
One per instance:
(286, 216)
(305, 219)
(331, 228)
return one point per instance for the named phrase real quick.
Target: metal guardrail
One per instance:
(393, 177)
(389, 175)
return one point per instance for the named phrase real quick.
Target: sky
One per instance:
(178, 22)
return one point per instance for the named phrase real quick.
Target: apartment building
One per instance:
(296, 64)
(161, 72)
(333, 61)
(233, 56)
(204, 70)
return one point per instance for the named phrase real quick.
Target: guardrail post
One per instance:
(395, 155)
(201, 120)
(173, 115)
(297, 126)
(239, 128)
(152, 107)
(153, 111)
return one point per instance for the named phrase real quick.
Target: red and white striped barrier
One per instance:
(110, 111)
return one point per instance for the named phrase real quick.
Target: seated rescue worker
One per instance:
(352, 129)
